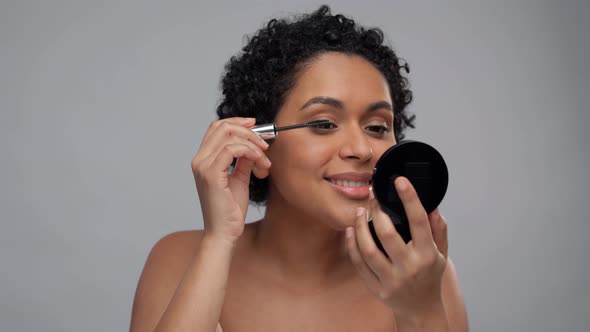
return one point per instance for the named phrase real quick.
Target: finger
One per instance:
(370, 278)
(439, 232)
(244, 122)
(220, 130)
(261, 173)
(224, 159)
(240, 121)
(417, 217)
(216, 144)
(234, 140)
(225, 130)
(376, 260)
(390, 239)
(242, 169)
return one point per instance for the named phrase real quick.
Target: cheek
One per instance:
(299, 155)
(379, 152)
(380, 148)
(314, 152)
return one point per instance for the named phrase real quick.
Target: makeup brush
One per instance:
(270, 130)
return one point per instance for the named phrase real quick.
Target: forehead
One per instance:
(350, 78)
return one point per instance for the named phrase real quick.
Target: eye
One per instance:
(325, 126)
(378, 129)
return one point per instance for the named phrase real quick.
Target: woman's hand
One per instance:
(410, 280)
(224, 197)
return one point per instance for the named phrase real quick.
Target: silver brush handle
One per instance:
(266, 131)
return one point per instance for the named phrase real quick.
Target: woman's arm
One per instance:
(451, 315)
(183, 285)
(453, 299)
(180, 289)
(416, 279)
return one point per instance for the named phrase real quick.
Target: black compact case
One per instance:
(424, 167)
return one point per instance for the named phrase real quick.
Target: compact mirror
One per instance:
(426, 170)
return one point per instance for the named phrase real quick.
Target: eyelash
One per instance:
(381, 130)
(329, 124)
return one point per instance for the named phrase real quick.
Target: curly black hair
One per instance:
(257, 81)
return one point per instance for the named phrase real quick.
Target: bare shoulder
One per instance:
(162, 272)
(453, 299)
(175, 248)
(171, 255)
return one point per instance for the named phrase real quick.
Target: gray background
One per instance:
(103, 105)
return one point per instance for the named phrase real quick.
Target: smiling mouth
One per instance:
(357, 189)
(350, 184)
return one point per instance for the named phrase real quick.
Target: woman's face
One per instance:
(325, 172)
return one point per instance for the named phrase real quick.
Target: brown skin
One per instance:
(295, 270)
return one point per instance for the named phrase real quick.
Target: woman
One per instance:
(310, 264)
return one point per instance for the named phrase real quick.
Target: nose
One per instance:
(356, 145)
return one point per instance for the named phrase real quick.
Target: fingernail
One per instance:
(371, 195)
(263, 142)
(400, 184)
(360, 211)
(348, 232)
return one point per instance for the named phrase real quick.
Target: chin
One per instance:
(343, 218)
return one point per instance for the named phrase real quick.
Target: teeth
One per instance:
(345, 183)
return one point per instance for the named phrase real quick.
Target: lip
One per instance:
(356, 193)
(351, 176)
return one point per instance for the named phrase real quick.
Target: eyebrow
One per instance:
(339, 105)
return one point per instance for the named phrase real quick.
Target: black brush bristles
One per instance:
(315, 123)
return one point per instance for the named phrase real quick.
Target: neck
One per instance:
(301, 247)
